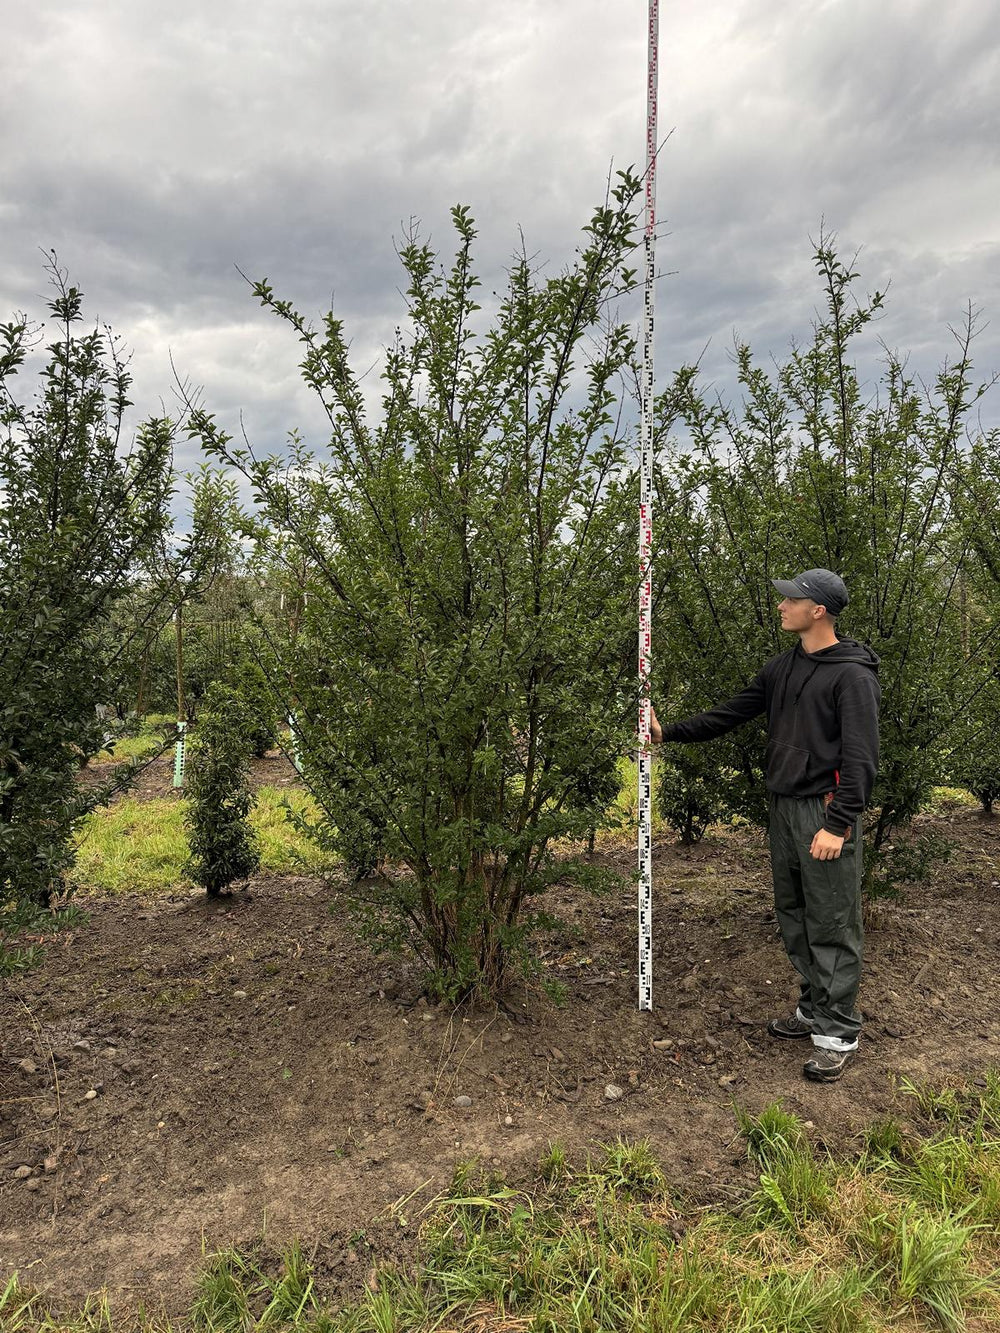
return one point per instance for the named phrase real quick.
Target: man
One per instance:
(821, 698)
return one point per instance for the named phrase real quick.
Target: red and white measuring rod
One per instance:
(646, 534)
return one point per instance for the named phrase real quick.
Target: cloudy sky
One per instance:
(155, 147)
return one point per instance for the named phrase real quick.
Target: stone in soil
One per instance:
(613, 1092)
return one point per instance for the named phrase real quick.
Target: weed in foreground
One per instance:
(784, 1302)
(553, 1165)
(794, 1187)
(884, 1141)
(771, 1136)
(225, 1292)
(632, 1168)
(923, 1260)
(35, 925)
(933, 1102)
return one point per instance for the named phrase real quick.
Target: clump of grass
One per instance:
(934, 1102)
(953, 1173)
(284, 850)
(463, 1178)
(973, 1108)
(553, 1165)
(922, 1261)
(17, 1305)
(794, 1187)
(130, 747)
(783, 1302)
(627, 801)
(884, 1141)
(132, 847)
(989, 1102)
(236, 1293)
(226, 1289)
(930, 1265)
(23, 1310)
(631, 1168)
(140, 846)
(773, 1135)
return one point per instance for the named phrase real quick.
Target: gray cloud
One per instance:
(159, 146)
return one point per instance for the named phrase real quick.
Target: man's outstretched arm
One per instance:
(716, 721)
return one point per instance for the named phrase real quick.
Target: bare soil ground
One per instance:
(156, 780)
(182, 1068)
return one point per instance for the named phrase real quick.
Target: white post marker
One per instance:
(293, 735)
(646, 535)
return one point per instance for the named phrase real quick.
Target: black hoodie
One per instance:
(822, 725)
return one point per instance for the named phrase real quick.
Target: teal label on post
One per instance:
(179, 750)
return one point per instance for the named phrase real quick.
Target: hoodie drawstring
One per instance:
(806, 682)
(788, 676)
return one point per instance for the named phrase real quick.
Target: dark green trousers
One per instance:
(818, 905)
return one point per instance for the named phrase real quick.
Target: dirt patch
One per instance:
(182, 1066)
(156, 780)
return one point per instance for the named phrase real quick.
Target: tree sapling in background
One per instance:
(259, 705)
(223, 844)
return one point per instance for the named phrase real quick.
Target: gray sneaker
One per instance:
(826, 1066)
(789, 1029)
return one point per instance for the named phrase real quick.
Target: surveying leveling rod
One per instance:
(646, 538)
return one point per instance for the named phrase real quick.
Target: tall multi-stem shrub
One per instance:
(223, 844)
(81, 514)
(814, 469)
(973, 759)
(463, 661)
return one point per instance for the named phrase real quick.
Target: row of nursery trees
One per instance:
(444, 596)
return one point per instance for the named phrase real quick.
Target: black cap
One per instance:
(821, 586)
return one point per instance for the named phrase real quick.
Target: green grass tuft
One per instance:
(772, 1136)
(943, 799)
(553, 1165)
(884, 1141)
(631, 1168)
